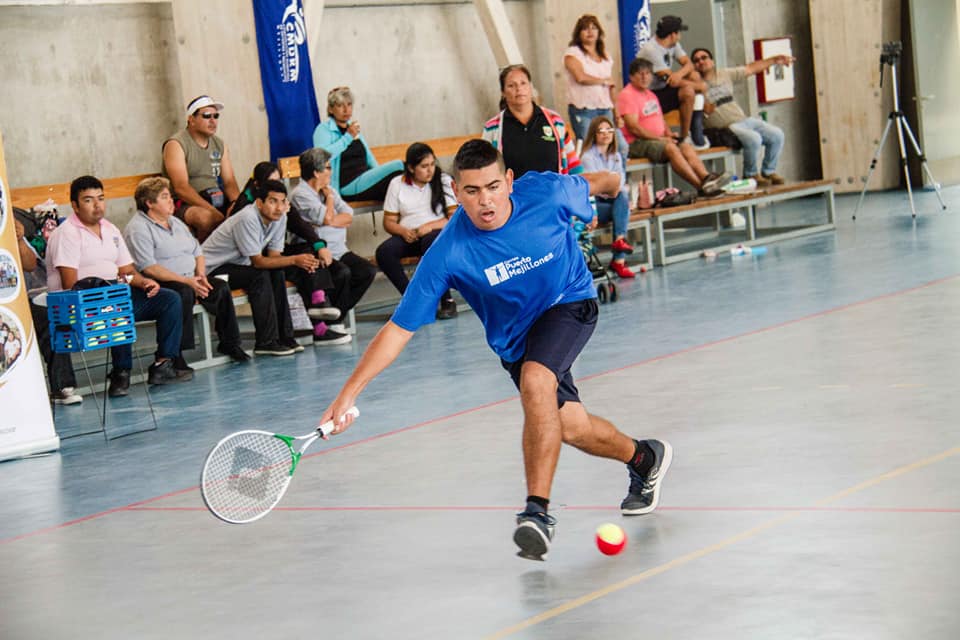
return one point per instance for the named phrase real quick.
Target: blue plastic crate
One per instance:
(91, 318)
(72, 307)
(70, 340)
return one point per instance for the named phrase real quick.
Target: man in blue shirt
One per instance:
(510, 252)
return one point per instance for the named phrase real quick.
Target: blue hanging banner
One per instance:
(635, 30)
(285, 75)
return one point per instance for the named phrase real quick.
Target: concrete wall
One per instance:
(89, 89)
(746, 20)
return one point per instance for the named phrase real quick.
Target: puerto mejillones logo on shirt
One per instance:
(517, 266)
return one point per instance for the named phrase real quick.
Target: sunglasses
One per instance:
(206, 116)
(605, 130)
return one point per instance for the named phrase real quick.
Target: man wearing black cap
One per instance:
(676, 89)
(197, 163)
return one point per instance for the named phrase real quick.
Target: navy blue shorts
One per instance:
(555, 340)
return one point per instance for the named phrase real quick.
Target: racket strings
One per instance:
(245, 475)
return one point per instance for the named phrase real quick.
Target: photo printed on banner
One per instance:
(9, 277)
(12, 342)
(3, 205)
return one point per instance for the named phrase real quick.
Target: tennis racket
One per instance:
(247, 472)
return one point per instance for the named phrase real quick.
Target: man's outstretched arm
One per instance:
(762, 65)
(382, 350)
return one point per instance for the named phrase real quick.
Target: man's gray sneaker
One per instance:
(534, 533)
(644, 493)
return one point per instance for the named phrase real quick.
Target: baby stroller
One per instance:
(606, 289)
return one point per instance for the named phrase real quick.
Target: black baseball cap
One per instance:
(670, 24)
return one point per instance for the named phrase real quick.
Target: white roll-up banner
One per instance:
(26, 422)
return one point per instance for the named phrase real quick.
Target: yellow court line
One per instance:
(694, 555)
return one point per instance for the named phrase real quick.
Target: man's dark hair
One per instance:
(640, 63)
(82, 184)
(270, 186)
(476, 154)
(670, 24)
(693, 54)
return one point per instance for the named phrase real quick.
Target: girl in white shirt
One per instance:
(415, 210)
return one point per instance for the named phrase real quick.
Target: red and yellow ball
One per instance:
(611, 539)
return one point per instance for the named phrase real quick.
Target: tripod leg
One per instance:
(903, 163)
(873, 164)
(923, 162)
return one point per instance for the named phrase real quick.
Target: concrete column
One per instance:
(313, 15)
(496, 25)
(217, 56)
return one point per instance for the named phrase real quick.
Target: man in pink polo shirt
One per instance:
(87, 245)
(649, 136)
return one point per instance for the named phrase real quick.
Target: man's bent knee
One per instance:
(536, 378)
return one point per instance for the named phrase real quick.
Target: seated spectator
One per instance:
(316, 287)
(590, 85)
(164, 249)
(247, 248)
(676, 89)
(197, 163)
(262, 172)
(648, 134)
(355, 174)
(530, 137)
(416, 209)
(600, 153)
(87, 245)
(330, 217)
(721, 112)
(60, 374)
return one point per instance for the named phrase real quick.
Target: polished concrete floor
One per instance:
(809, 395)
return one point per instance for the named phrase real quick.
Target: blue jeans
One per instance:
(754, 133)
(580, 120)
(165, 309)
(618, 210)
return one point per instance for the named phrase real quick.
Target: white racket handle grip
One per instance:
(327, 426)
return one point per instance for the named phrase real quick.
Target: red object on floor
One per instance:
(622, 270)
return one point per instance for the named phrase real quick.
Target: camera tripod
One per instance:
(890, 57)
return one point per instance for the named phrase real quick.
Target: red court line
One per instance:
(419, 425)
(452, 508)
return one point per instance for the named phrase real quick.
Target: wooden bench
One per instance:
(27, 197)
(752, 233)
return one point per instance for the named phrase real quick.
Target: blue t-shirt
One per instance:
(511, 275)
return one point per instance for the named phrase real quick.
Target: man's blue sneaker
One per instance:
(644, 491)
(534, 533)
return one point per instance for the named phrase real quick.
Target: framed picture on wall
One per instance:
(776, 83)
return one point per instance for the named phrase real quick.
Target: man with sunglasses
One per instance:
(721, 112)
(197, 163)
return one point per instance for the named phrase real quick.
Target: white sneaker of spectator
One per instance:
(702, 147)
(67, 395)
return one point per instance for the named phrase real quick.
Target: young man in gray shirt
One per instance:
(248, 248)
